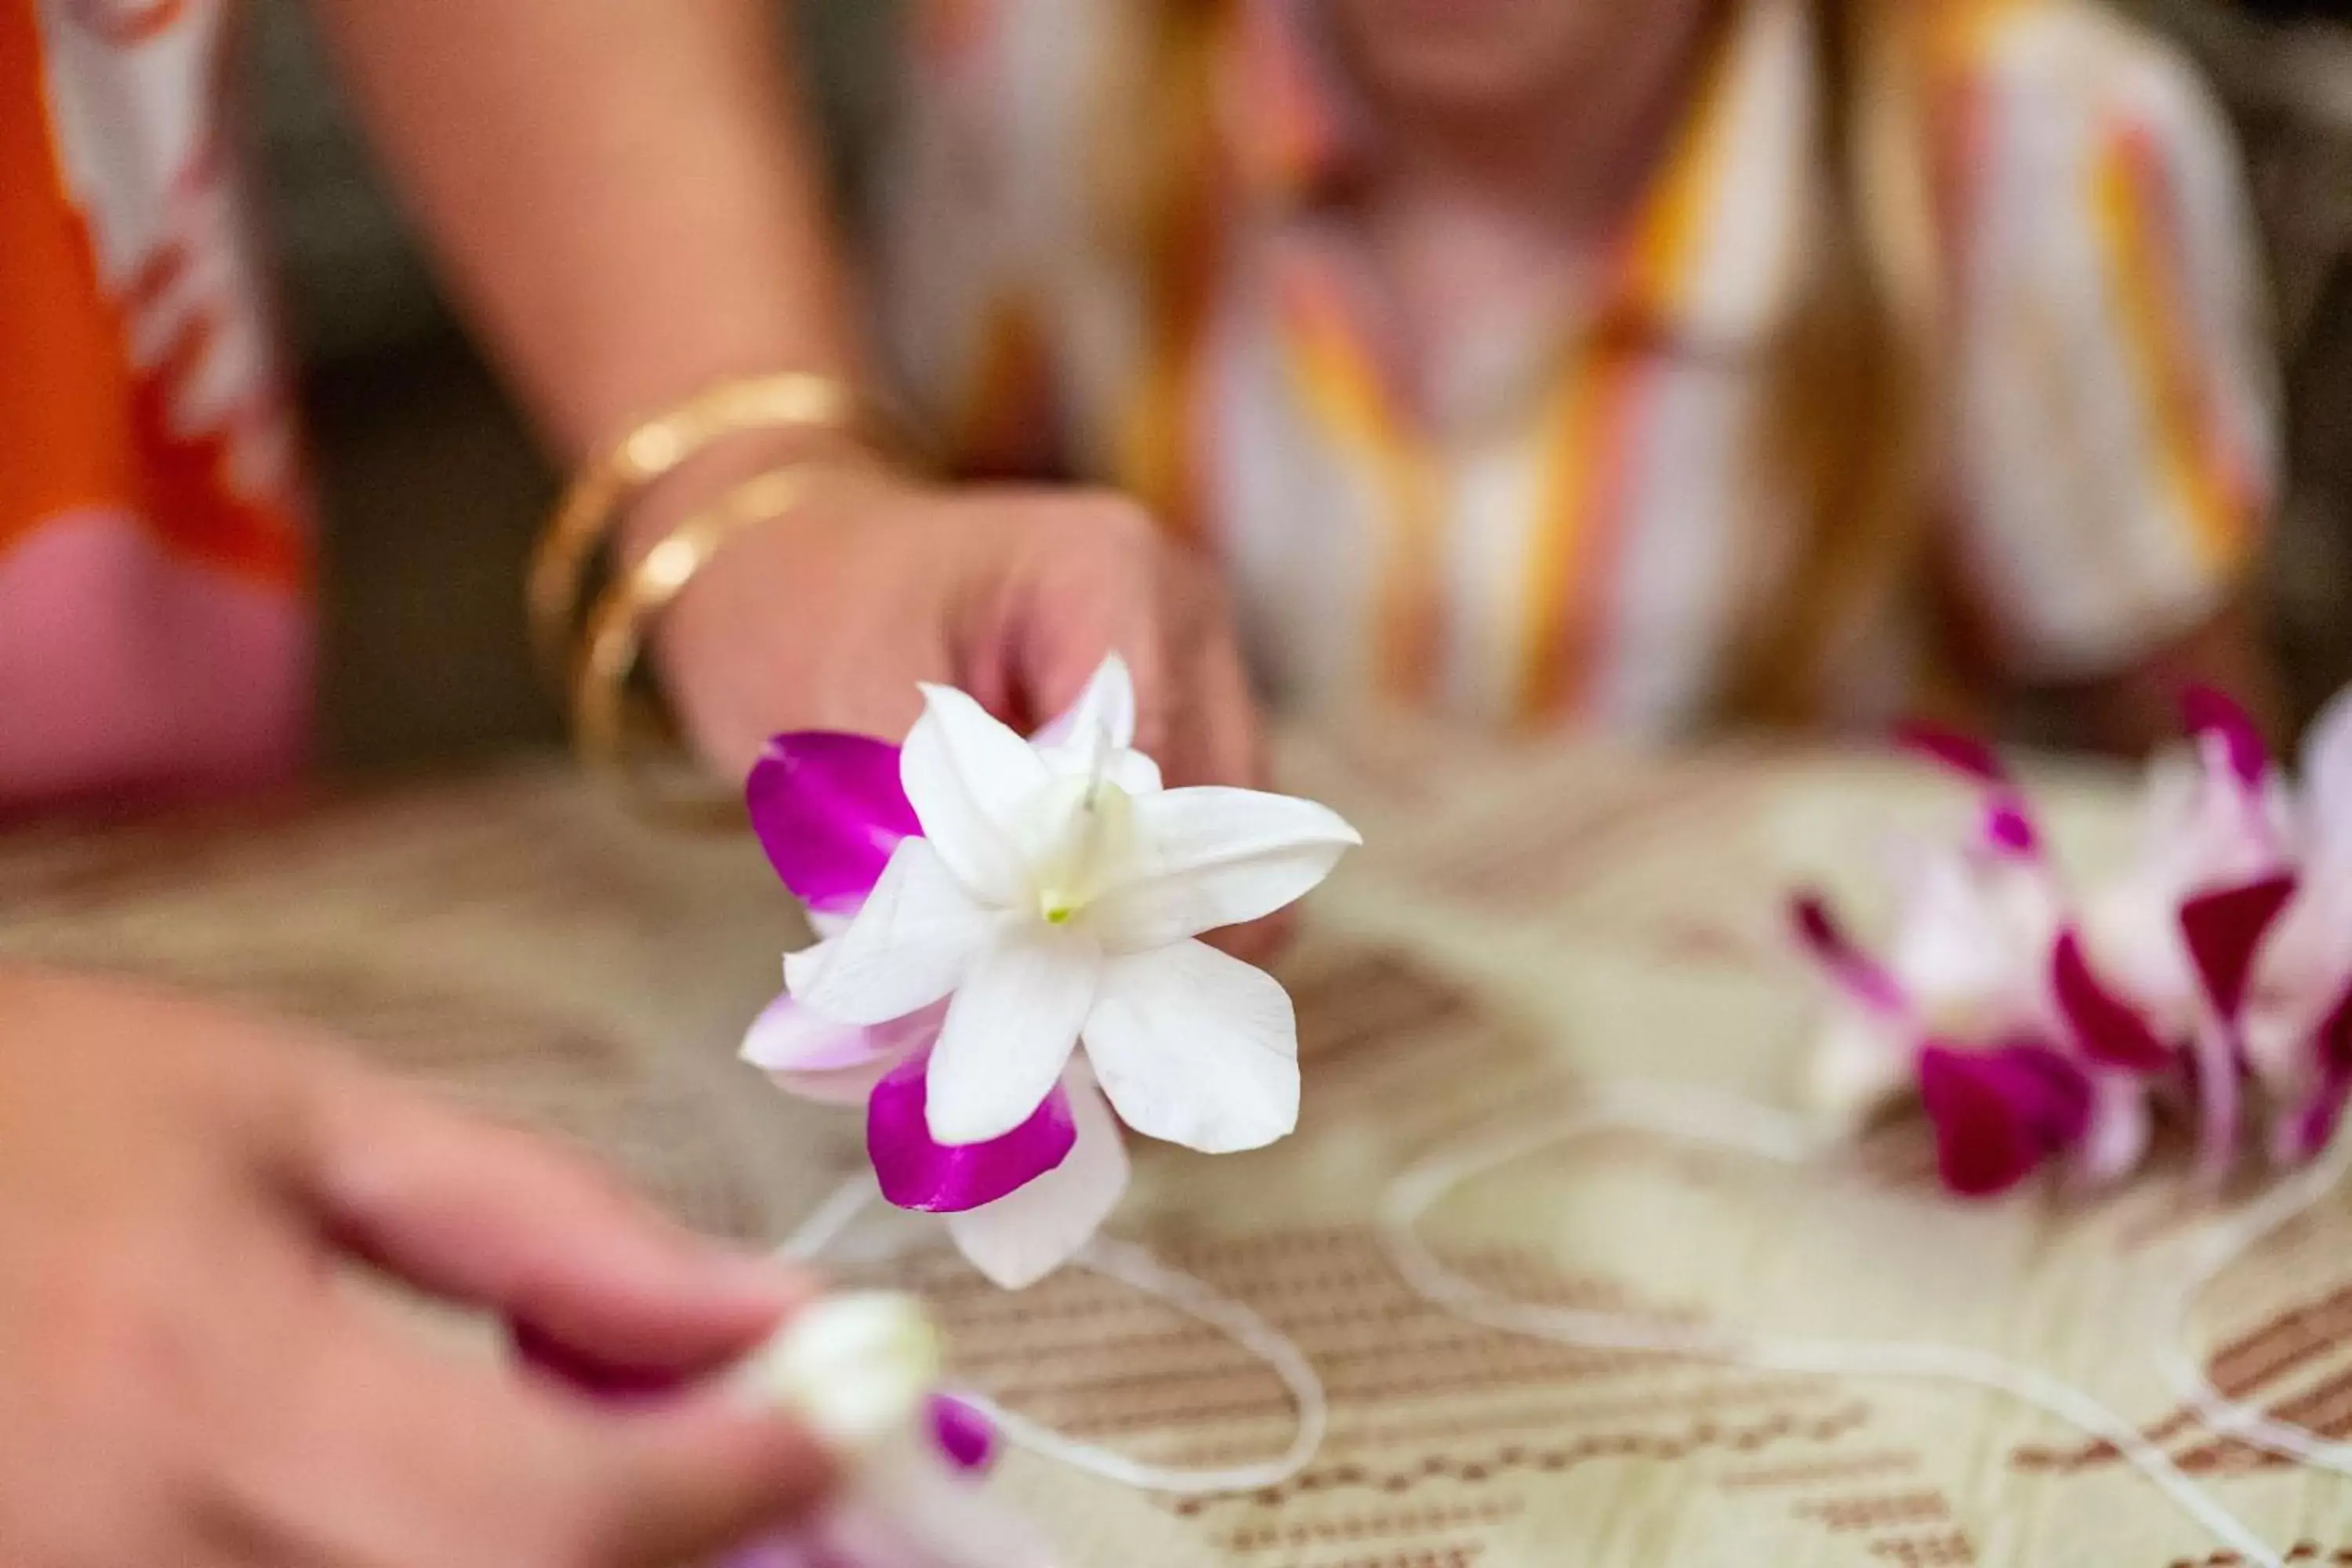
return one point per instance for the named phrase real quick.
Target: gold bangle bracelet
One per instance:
(560, 560)
(614, 641)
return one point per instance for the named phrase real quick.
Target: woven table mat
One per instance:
(1523, 920)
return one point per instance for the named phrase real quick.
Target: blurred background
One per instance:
(432, 488)
(431, 485)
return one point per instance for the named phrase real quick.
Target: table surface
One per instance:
(1523, 919)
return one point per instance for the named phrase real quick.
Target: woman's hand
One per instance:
(827, 617)
(187, 1381)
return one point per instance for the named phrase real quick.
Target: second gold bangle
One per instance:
(613, 644)
(560, 558)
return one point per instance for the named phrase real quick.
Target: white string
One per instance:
(1132, 1267)
(829, 1220)
(1758, 1129)
(2223, 1244)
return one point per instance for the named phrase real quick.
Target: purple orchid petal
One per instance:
(789, 1037)
(829, 1063)
(1997, 1114)
(2109, 1029)
(2008, 827)
(1963, 755)
(829, 809)
(966, 1437)
(2207, 711)
(2307, 1128)
(2334, 1039)
(938, 1178)
(1853, 971)
(2224, 931)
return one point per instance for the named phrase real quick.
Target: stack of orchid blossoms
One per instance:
(987, 905)
(2039, 1023)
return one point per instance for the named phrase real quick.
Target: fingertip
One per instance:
(737, 1302)
(490, 1216)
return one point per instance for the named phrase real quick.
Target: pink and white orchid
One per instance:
(1988, 1006)
(2034, 1028)
(2218, 963)
(987, 906)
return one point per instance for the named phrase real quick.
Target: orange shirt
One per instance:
(154, 556)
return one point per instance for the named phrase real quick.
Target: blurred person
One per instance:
(1649, 366)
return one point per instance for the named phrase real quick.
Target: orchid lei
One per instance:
(2035, 1025)
(2038, 1025)
(987, 906)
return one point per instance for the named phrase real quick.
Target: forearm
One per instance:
(620, 191)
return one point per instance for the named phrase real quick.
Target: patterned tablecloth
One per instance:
(1522, 921)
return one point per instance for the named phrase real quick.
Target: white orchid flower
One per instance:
(832, 812)
(1053, 899)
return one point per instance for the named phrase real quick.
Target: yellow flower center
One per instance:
(1092, 836)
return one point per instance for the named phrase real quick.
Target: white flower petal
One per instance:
(813, 1057)
(801, 967)
(855, 1367)
(1009, 1031)
(1022, 1237)
(2328, 770)
(2301, 970)
(968, 778)
(908, 946)
(2119, 1128)
(904, 1506)
(2276, 1039)
(1973, 936)
(1854, 1072)
(2132, 929)
(1130, 771)
(1107, 706)
(1098, 733)
(833, 1064)
(1196, 1048)
(1204, 858)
